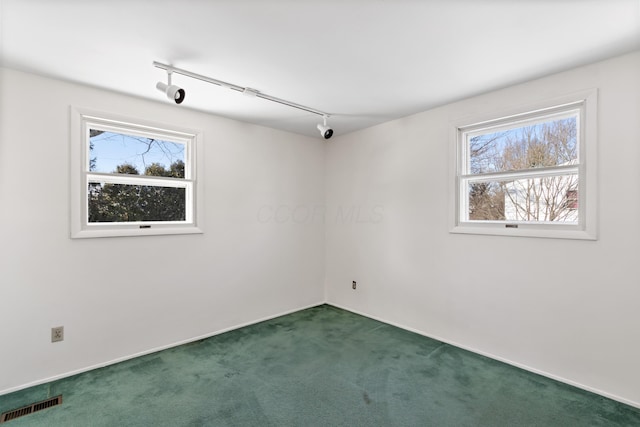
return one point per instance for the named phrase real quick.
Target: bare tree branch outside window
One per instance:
(547, 198)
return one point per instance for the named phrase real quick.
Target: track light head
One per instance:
(325, 130)
(173, 92)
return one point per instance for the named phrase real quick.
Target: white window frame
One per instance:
(586, 227)
(82, 120)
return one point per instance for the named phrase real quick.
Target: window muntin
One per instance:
(526, 175)
(133, 179)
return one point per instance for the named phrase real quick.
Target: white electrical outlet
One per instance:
(57, 334)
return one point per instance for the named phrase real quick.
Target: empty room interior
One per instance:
(283, 213)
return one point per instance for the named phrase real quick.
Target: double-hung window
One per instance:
(529, 174)
(132, 179)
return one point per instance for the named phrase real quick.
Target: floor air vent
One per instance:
(26, 410)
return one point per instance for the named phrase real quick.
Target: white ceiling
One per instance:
(364, 62)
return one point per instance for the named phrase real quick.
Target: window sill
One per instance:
(526, 230)
(158, 230)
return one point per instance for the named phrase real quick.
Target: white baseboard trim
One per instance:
(494, 357)
(150, 351)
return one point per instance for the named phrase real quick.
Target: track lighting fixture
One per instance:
(173, 92)
(325, 130)
(177, 94)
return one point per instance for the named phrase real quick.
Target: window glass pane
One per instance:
(133, 203)
(111, 152)
(546, 144)
(545, 199)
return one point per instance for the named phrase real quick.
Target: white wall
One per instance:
(118, 297)
(566, 308)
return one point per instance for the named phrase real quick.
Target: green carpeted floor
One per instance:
(318, 367)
